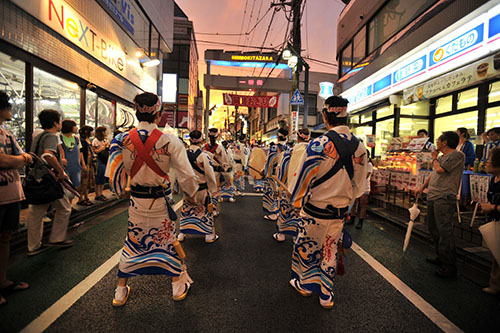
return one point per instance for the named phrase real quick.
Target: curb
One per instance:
(18, 241)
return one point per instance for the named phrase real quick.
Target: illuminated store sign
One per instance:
(466, 42)
(409, 70)
(248, 64)
(252, 58)
(123, 11)
(382, 84)
(360, 95)
(70, 24)
(326, 89)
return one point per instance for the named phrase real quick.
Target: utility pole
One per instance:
(295, 6)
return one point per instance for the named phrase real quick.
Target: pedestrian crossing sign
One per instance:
(297, 98)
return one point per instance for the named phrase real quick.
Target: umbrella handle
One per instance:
(474, 215)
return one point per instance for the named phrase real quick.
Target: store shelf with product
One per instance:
(400, 172)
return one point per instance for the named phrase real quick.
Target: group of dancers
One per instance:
(309, 203)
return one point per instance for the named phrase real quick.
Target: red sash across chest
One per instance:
(144, 152)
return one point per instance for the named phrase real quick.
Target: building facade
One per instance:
(181, 66)
(86, 59)
(405, 67)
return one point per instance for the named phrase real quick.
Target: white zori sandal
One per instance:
(121, 295)
(180, 288)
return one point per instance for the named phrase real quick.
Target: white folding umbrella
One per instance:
(491, 235)
(414, 212)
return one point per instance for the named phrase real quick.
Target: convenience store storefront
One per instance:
(73, 57)
(451, 81)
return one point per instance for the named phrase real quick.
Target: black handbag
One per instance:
(42, 190)
(103, 155)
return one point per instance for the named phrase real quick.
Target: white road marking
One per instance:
(49, 316)
(428, 310)
(245, 194)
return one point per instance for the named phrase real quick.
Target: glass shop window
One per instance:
(359, 47)
(346, 61)
(383, 136)
(385, 111)
(444, 104)
(52, 92)
(91, 109)
(451, 123)
(106, 115)
(12, 83)
(467, 98)
(409, 127)
(415, 109)
(494, 95)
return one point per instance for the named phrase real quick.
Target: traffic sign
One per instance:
(297, 98)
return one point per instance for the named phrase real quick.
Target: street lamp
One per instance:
(295, 62)
(286, 54)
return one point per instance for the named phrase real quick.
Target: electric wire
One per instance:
(249, 21)
(236, 34)
(243, 20)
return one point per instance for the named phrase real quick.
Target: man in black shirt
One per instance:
(493, 209)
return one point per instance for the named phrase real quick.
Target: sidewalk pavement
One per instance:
(78, 214)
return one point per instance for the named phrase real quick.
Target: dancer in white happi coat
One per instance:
(241, 155)
(197, 218)
(331, 176)
(146, 155)
(228, 189)
(270, 197)
(219, 160)
(288, 216)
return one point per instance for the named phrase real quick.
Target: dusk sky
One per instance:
(319, 25)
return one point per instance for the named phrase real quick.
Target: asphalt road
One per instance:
(241, 284)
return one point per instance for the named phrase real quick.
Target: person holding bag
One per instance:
(11, 194)
(45, 146)
(87, 175)
(101, 150)
(493, 210)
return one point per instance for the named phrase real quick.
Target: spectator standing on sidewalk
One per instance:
(101, 150)
(71, 147)
(47, 143)
(422, 133)
(11, 194)
(88, 170)
(491, 140)
(466, 147)
(441, 200)
(492, 208)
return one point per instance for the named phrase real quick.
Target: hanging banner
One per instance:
(168, 115)
(251, 101)
(484, 69)
(182, 119)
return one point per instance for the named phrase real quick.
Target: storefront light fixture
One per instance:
(68, 101)
(150, 63)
